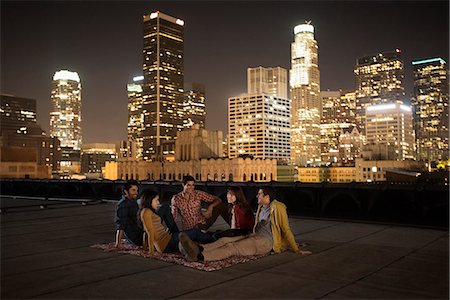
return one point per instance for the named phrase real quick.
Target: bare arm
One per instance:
(119, 234)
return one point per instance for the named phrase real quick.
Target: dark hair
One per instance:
(146, 202)
(240, 197)
(146, 199)
(127, 186)
(187, 178)
(268, 191)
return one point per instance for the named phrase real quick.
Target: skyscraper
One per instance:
(194, 108)
(163, 71)
(136, 125)
(389, 131)
(430, 105)
(65, 115)
(338, 116)
(17, 114)
(305, 96)
(379, 79)
(272, 81)
(258, 123)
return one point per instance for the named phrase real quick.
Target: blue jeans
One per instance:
(194, 234)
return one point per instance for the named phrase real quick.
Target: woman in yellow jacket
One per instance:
(158, 237)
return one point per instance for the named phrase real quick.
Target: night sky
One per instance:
(102, 41)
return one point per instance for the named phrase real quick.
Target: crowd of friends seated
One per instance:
(153, 225)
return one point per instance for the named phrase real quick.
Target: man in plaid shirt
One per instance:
(187, 205)
(126, 215)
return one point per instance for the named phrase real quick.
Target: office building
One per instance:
(194, 108)
(136, 125)
(338, 115)
(17, 114)
(94, 156)
(271, 81)
(163, 70)
(389, 132)
(196, 143)
(258, 126)
(19, 129)
(430, 105)
(379, 79)
(65, 114)
(306, 106)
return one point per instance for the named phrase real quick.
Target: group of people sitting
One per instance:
(152, 225)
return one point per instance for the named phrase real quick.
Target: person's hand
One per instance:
(208, 212)
(304, 252)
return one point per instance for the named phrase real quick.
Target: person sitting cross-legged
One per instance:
(271, 232)
(157, 236)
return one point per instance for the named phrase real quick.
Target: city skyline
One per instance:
(218, 61)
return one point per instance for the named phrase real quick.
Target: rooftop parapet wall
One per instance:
(412, 204)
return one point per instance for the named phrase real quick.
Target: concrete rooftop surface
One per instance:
(45, 254)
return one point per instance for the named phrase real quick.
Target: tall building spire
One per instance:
(305, 96)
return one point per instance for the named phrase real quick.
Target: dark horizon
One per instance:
(102, 41)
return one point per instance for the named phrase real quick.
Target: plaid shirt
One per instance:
(189, 207)
(126, 219)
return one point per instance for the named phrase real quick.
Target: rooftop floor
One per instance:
(45, 253)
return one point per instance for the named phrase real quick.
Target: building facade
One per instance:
(306, 107)
(271, 81)
(220, 169)
(258, 126)
(163, 70)
(194, 108)
(338, 116)
(136, 125)
(197, 143)
(389, 132)
(430, 105)
(94, 156)
(17, 113)
(379, 79)
(65, 114)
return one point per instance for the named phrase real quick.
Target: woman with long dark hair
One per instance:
(241, 215)
(158, 236)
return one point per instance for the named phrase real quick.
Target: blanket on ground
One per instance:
(178, 258)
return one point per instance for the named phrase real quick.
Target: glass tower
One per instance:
(430, 105)
(163, 70)
(136, 124)
(379, 79)
(305, 96)
(194, 105)
(65, 115)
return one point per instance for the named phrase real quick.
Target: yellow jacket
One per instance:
(281, 231)
(158, 237)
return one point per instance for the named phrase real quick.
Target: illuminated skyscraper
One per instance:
(65, 115)
(431, 109)
(305, 95)
(17, 114)
(136, 125)
(163, 70)
(194, 105)
(258, 123)
(272, 81)
(379, 79)
(389, 131)
(338, 116)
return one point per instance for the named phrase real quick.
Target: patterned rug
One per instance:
(178, 258)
